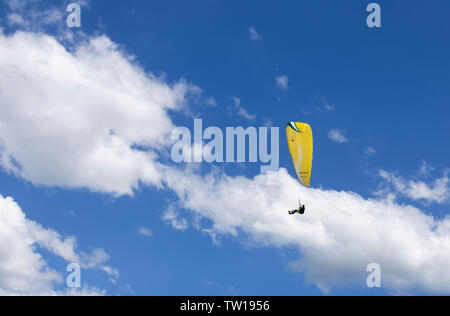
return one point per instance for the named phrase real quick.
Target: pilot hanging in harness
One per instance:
(301, 209)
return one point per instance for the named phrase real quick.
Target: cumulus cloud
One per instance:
(337, 136)
(437, 191)
(340, 235)
(282, 82)
(23, 270)
(76, 120)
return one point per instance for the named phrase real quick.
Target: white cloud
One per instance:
(78, 124)
(282, 82)
(438, 191)
(16, 19)
(329, 107)
(144, 231)
(241, 111)
(97, 258)
(340, 234)
(112, 272)
(23, 270)
(425, 170)
(15, 4)
(33, 15)
(337, 136)
(370, 151)
(211, 101)
(172, 217)
(325, 106)
(254, 36)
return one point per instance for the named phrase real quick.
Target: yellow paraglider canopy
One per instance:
(300, 141)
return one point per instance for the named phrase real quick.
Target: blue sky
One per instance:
(384, 90)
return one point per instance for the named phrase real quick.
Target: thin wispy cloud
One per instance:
(144, 231)
(435, 191)
(31, 15)
(425, 170)
(370, 151)
(325, 106)
(282, 82)
(172, 217)
(254, 35)
(338, 136)
(210, 101)
(241, 111)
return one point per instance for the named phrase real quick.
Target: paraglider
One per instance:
(301, 209)
(300, 142)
